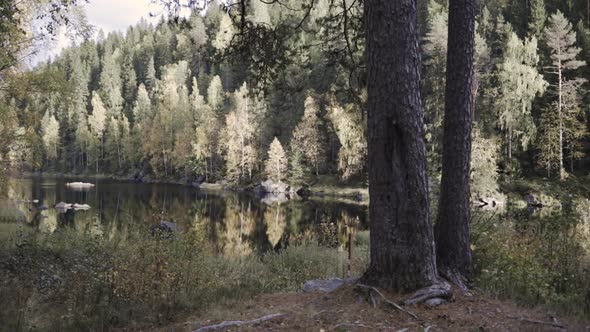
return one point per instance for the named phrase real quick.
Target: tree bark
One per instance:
(402, 242)
(452, 227)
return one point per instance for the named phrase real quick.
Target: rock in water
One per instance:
(79, 185)
(63, 206)
(77, 206)
(326, 286)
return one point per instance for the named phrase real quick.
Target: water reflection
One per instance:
(236, 224)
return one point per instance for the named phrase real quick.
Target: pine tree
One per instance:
(350, 129)
(548, 140)
(142, 109)
(50, 135)
(215, 97)
(150, 76)
(129, 83)
(112, 146)
(225, 33)
(561, 39)
(519, 83)
(309, 138)
(97, 123)
(537, 18)
(110, 82)
(298, 172)
(276, 163)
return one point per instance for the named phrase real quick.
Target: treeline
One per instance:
(171, 101)
(163, 101)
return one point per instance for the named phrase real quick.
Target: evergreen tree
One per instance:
(150, 76)
(225, 33)
(350, 129)
(537, 18)
(97, 122)
(50, 134)
(309, 138)
(276, 163)
(519, 84)
(142, 109)
(548, 140)
(129, 79)
(561, 39)
(215, 97)
(110, 82)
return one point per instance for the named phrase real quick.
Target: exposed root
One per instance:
(532, 321)
(232, 323)
(439, 290)
(457, 279)
(391, 303)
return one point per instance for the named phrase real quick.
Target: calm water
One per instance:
(235, 223)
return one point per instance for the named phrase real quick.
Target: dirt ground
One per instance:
(349, 309)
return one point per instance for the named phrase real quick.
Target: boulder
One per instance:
(270, 186)
(435, 302)
(77, 206)
(79, 185)
(301, 191)
(164, 227)
(325, 285)
(63, 206)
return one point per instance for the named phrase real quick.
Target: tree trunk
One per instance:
(402, 242)
(559, 110)
(453, 245)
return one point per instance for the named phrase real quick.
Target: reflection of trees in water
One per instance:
(234, 223)
(275, 220)
(239, 222)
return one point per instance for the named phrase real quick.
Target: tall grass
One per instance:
(69, 281)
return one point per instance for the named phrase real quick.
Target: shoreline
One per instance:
(352, 193)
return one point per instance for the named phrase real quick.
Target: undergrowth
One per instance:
(69, 281)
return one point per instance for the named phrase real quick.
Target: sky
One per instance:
(108, 15)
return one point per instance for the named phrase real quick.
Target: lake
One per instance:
(234, 223)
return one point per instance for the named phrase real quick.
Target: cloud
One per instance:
(111, 15)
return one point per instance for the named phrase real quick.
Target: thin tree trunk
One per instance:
(402, 242)
(559, 110)
(453, 245)
(509, 146)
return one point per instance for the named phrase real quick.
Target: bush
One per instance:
(533, 260)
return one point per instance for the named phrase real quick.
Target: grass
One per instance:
(74, 282)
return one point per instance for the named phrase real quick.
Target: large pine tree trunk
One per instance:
(402, 242)
(452, 227)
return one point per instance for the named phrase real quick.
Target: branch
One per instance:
(227, 324)
(537, 322)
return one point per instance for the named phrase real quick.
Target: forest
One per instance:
(467, 123)
(178, 100)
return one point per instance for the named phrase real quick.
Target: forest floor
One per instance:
(347, 309)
